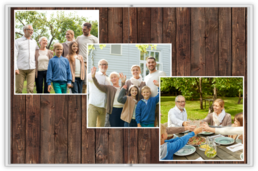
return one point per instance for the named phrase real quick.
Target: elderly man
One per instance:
(153, 75)
(82, 41)
(177, 116)
(24, 60)
(97, 98)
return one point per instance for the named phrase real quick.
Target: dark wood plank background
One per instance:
(205, 42)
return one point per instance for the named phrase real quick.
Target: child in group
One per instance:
(59, 71)
(145, 110)
(238, 122)
(169, 147)
(128, 112)
(77, 67)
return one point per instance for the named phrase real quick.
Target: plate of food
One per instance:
(203, 146)
(206, 133)
(196, 141)
(224, 140)
(172, 136)
(186, 150)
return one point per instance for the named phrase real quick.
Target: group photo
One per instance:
(123, 84)
(202, 118)
(50, 50)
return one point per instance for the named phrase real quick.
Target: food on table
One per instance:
(196, 141)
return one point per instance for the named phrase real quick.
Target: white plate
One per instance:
(186, 150)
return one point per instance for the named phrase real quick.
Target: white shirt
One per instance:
(24, 53)
(116, 104)
(43, 60)
(176, 117)
(96, 97)
(229, 130)
(149, 81)
(77, 67)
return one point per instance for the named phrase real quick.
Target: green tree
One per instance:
(54, 28)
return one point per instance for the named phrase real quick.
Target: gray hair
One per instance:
(102, 60)
(40, 39)
(26, 27)
(178, 96)
(114, 72)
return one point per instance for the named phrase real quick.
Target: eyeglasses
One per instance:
(103, 64)
(180, 101)
(30, 29)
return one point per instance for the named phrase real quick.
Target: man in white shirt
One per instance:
(153, 75)
(83, 41)
(177, 116)
(24, 60)
(97, 98)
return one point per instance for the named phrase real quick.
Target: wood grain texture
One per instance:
(32, 129)
(183, 41)
(130, 146)
(156, 25)
(115, 146)
(144, 25)
(130, 25)
(154, 133)
(225, 42)
(115, 25)
(47, 136)
(211, 41)
(102, 146)
(61, 129)
(74, 129)
(88, 136)
(103, 28)
(169, 33)
(144, 146)
(197, 41)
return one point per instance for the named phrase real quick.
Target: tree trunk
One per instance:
(239, 98)
(50, 43)
(200, 89)
(214, 93)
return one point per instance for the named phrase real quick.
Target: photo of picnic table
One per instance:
(222, 152)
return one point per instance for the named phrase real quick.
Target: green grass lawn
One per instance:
(193, 108)
(24, 90)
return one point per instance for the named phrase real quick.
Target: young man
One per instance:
(177, 116)
(24, 60)
(153, 75)
(83, 41)
(97, 98)
(145, 110)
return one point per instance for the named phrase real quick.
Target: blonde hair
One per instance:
(136, 66)
(70, 31)
(145, 88)
(114, 72)
(57, 45)
(220, 102)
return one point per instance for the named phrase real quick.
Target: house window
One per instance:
(116, 49)
(143, 58)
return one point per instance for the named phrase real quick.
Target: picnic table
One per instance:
(222, 153)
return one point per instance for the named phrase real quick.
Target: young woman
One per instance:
(130, 103)
(42, 57)
(77, 67)
(69, 38)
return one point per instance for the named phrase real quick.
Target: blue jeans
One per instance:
(133, 123)
(77, 85)
(59, 88)
(114, 118)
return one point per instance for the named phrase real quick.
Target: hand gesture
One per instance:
(93, 72)
(156, 83)
(125, 87)
(49, 88)
(17, 72)
(185, 123)
(139, 125)
(190, 127)
(123, 77)
(197, 130)
(69, 86)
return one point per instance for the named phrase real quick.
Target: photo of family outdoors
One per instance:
(123, 84)
(201, 118)
(51, 50)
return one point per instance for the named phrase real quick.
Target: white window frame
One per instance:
(115, 53)
(144, 62)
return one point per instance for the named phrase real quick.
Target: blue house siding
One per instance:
(130, 56)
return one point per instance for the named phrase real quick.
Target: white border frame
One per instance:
(250, 84)
(137, 57)
(35, 62)
(243, 78)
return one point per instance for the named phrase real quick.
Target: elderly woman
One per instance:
(136, 80)
(42, 57)
(69, 38)
(219, 117)
(114, 108)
